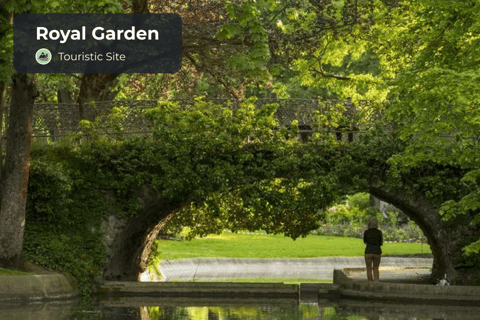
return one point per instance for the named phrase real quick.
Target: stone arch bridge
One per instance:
(130, 246)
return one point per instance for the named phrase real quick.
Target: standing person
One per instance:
(373, 238)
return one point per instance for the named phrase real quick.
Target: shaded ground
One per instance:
(395, 274)
(417, 255)
(405, 274)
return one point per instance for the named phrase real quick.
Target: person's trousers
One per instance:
(373, 262)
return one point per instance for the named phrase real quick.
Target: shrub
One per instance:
(71, 190)
(349, 219)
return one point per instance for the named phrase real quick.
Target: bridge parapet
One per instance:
(54, 120)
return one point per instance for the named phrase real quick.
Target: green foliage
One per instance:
(232, 193)
(79, 252)
(78, 6)
(106, 128)
(71, 189)
(428, 50)
(279, 206)
(49, 189)
(49, 84)
(359, 200)
(248, 28)
(6, 51)
(64, 213)
(320, 43)
(354, 209)
(437, 95)
(155, 260)
(472, 253)
(349, 219)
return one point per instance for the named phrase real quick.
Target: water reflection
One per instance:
(200, 309)
(300, 312)
(233, 313)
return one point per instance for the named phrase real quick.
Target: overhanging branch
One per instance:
(334, 76)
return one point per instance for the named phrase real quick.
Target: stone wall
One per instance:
(111, 227)
(25, 288)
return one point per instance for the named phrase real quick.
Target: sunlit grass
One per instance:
(261, 245)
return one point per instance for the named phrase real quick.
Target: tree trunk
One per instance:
(64, 96)
(55, 116)
(132, 246)
(6, 19)
(2, 112)
(140, 6)
(446, 239)
(15, 180)
(94, 87)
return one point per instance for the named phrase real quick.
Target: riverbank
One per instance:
(36, 283)
(28, 288)
(350, 285)
(396, 285)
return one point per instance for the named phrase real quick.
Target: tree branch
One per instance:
(334, 76)
(212, 73)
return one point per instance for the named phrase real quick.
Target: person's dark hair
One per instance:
(372, 223)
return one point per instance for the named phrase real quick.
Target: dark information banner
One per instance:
(97, 43)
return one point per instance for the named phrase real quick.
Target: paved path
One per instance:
(316, 268)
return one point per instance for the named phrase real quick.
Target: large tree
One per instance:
(242, 44)
(18, 133)
(437, 95)
(13, 191)
(15, 171)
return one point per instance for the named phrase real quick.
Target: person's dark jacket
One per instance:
(373, 238)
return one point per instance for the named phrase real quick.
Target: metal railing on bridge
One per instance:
(54, 120)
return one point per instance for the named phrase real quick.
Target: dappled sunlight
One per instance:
(227, 235)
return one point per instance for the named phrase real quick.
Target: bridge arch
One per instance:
(132, 246)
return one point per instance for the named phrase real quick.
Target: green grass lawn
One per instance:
(261, 245)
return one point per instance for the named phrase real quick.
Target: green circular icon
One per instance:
(43, 56)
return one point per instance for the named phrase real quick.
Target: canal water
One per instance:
(132, 308)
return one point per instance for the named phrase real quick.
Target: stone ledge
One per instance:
(195, 289)
(185, 301)
(403, 291)
(36, 287)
